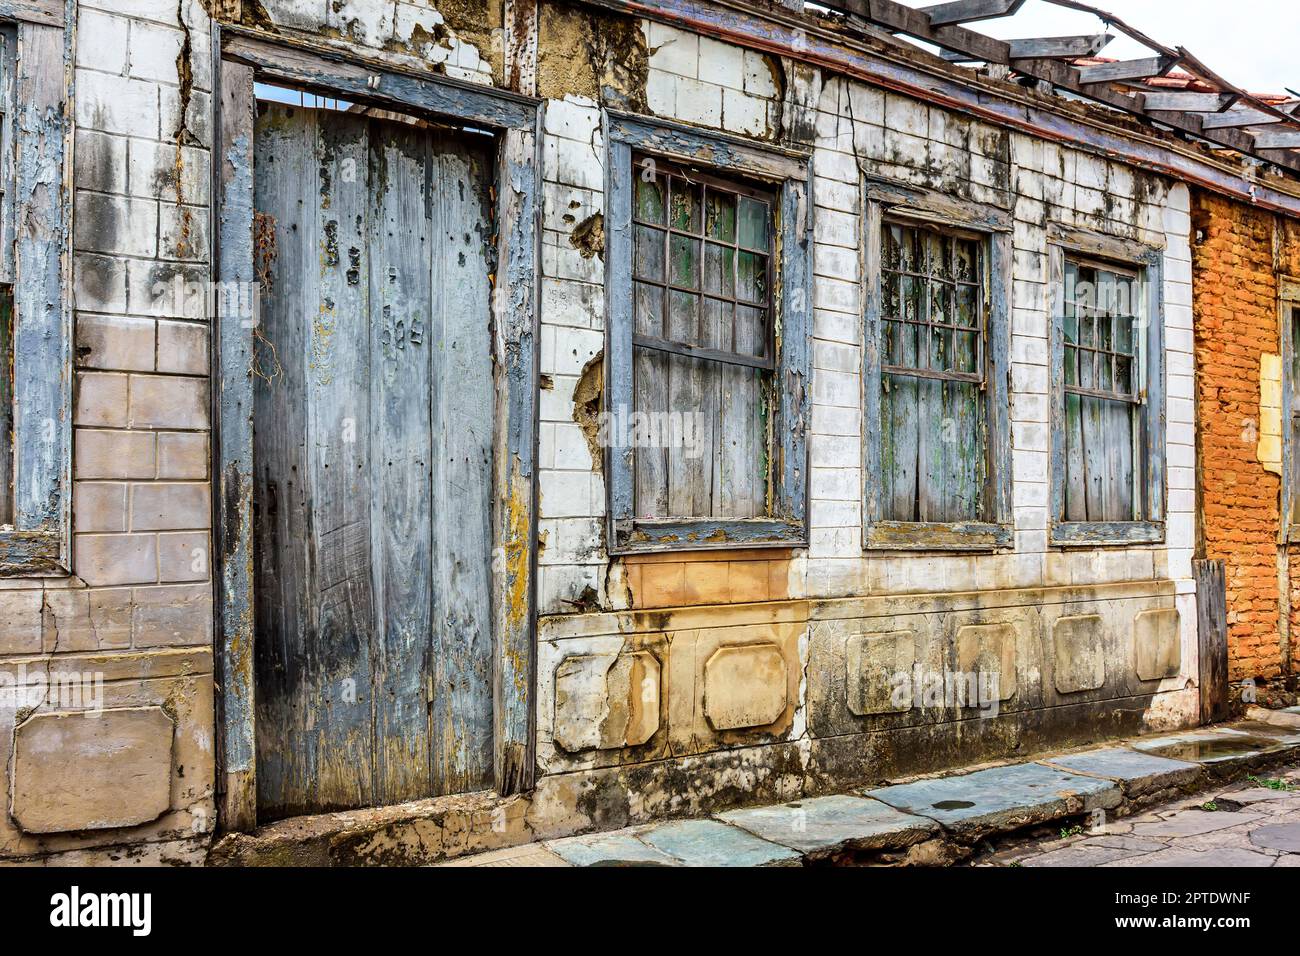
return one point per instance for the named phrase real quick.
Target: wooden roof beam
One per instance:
(968, 11)
(1279, 139)
(915, 23)
(1045, 48)
(1244, 116)
(1059, 48)
(973, 46)
(1181, 101)
(1127, 70)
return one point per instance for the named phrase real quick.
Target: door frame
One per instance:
(245, 57)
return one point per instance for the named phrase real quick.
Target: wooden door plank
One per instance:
(461, 503)
(401, 240)
(1212, 638)
(285, 257)
(338, 460)
(233, 449)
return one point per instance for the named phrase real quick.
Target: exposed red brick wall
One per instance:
(1235, 306)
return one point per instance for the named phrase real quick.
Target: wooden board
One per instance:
(374, 464)
(1212, 638)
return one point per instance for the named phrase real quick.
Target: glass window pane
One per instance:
(648, 305)
(1295, 366)
(684, 259)
(649, 199)
(685, 209)
(716, 324)
(1124, 375)
(967, 262)
(754, 218)
(965, 347)
(1099, 459)
(941, 254)
(891, 248)
(720, 216)
(1124, 334)
(751, 277)
(751, 331)
(684, 318)
(720, 270)
(967, 314)
(648, 253)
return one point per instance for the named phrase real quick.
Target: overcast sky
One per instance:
(1253, 43)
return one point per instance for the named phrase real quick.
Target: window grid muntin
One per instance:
(978, 330)
(1134, 398)
(671, 173)
(1074, 348)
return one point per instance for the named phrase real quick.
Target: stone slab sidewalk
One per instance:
(1243, 825)
(939, 819)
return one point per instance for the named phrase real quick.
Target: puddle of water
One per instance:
(952, 805)
(628, 863)
(1208, 749)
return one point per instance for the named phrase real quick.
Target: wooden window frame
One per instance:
(1148, 261)
(788, 173)
(890, 202)
(516, 121)
(1288, 301)
(39, 543)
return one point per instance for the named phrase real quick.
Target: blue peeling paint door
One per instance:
(372, 461)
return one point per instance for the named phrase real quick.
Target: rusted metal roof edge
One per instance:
(908, 71)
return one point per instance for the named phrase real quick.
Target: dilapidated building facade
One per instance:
(507, 418)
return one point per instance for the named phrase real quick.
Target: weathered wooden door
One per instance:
(372, 461)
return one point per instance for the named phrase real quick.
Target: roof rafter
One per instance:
(968, 11)
(940, 25)
(1047, 48)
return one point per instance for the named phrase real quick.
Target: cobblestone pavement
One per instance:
(1254, 822)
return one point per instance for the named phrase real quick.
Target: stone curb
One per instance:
(936, 819)
(897, 823)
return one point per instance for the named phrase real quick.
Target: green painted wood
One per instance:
(750, 485)
(936, 459)
(1108, 456)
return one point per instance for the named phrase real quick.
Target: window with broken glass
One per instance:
(1107, 467)
(935, 406)
(707, 269)
(702, 345)
(933, 375)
